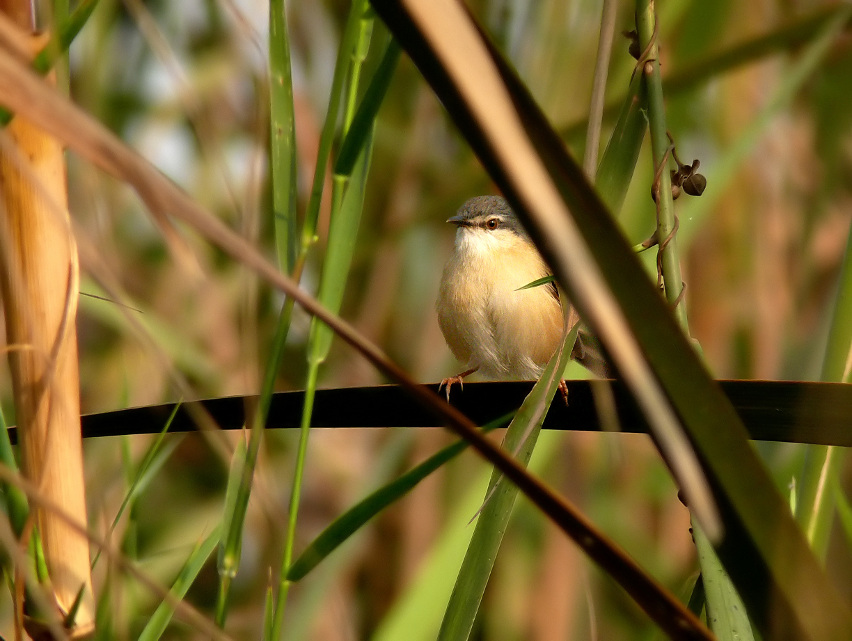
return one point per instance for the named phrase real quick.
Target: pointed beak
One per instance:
(459, 221)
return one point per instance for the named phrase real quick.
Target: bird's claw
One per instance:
(563, 389)
(448, 383)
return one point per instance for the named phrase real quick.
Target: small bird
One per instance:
(490, 323)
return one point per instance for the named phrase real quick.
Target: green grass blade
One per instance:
(231, 543)
(500, 499)
(622, 151)
(359, 515)
(70, 26)
(282, 132)
(344, 53)
(342, 236)
(538, 282)
(365, 115)
(726, 614)
(416, 614)
(159, 621)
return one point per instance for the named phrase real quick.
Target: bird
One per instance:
(489, 321)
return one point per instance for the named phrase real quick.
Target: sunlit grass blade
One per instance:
(159, 621)
(342, 236)
(66, 33)
(815, 505)
(359, 515)
(268, 612)
(282, 132)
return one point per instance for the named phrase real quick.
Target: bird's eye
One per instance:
(492, 223)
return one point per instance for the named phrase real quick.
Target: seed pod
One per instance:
(695, 184)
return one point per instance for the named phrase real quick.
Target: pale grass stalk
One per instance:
(39, 281)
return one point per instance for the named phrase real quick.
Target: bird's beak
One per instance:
(459, 221)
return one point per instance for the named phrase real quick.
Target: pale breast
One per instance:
(488, 322)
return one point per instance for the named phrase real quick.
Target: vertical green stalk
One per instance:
(815, 503)
(649, 67)
(346, 208)
(283, 168)
(347, 45)
(726, 613)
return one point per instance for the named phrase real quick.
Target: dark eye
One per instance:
(492, 223)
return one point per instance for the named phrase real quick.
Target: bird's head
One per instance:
(487, 224)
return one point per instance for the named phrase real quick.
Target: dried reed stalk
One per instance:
(39, 282)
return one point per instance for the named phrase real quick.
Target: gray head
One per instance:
(488, 213)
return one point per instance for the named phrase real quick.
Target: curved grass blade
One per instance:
(544, 280)
(231, 543)
(359, 515)
(347, 46)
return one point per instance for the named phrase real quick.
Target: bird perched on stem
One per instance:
(490, 323)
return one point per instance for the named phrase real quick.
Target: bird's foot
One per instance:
(563, 389)
(458, 378)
